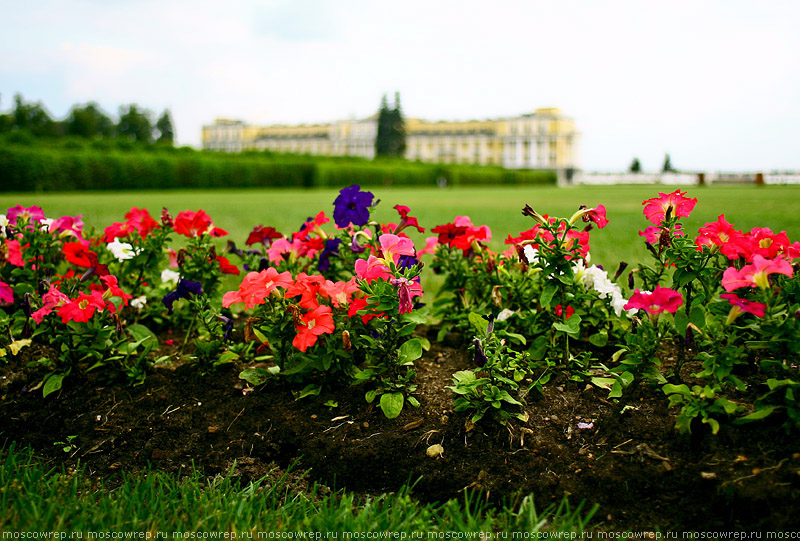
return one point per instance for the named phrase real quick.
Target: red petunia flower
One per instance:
(406, 220)
(674, 205)
(194, 224)
(83, 308)
(313, 324)
(78, 254)
(14, 253)
(264, 235)
(306, 286)
(226, 267)
(256, 286)
(559, 311)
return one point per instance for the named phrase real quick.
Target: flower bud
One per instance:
(166, 218)
(346, 344)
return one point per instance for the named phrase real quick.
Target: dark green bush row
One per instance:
(39, 168)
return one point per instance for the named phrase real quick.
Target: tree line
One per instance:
(89, 121)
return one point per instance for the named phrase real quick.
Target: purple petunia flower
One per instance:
(183, 291)
(352, 206)
(331, 249)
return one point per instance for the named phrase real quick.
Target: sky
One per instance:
(716, 84)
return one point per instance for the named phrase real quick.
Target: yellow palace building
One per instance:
(544, 139)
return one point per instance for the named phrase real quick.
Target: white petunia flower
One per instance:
(531, 254)
(139, 302)
(121, 250)
(170, 276)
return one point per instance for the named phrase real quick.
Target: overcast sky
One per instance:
(714, 83)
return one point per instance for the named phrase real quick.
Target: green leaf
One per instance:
(311, 389)
(254, 376)
(756, 415)
(518, 338)
(714, 424)
(413, 402)
(140, 333)
(603, 383)
(17, 345)
(669, 389)
(410, 351)
(426, 344)
(227, 357)
(547, 295)
(260, 335)
(369, 396)
(599, 339)
(572, 326)
(681, 320)
(477, 321)
(413, 317)
(698, 316)
(392, 404)
(52, 382)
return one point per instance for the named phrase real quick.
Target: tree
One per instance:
(89, 122)
(33, 117)
(397, 130)
(135, 124)
(382, 136)
(6, 122)
(667, 165)
(635, 167)
(166, 133)
(390, 140)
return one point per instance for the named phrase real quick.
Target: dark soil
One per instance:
(640, 471)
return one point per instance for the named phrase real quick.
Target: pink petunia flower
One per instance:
(393, 246)
(662, 299)
(6, 293)
(52, 299)
(674, 205)
(740, 306)
(756, 274)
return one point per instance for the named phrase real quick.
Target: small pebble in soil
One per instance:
(435, 451)
(314, 416)
(708, 475)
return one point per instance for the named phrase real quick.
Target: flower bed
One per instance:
(534, 350)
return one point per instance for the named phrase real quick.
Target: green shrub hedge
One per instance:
(98, 167)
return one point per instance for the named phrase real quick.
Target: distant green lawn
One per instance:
(776, 207)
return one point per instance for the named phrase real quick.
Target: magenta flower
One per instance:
(31, 215)
(674, 205)
(403, 286)
(739, 306)
(6, 293)
(662, 299)
(52, 299)
(755, 274)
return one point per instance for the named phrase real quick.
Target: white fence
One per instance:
(681, 179)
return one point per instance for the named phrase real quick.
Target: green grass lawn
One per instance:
(238, 211)
(38, 499)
